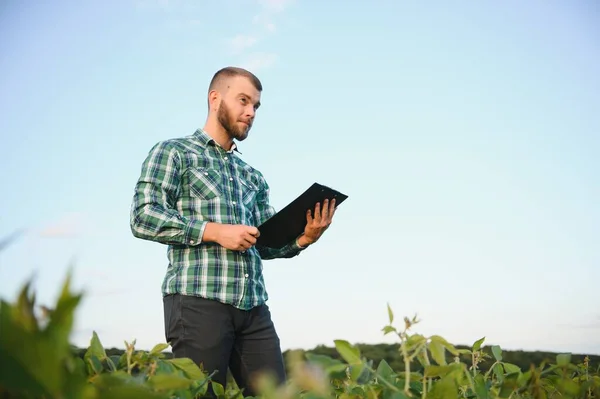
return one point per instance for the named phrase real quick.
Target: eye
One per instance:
(243, 100)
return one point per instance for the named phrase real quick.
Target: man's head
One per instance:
(233, 98)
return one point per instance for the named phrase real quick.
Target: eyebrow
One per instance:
(247, 96)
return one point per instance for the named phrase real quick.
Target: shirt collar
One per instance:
(205, 140)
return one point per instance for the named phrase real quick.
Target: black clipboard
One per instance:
(287, 224)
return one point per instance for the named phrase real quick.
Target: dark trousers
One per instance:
(217, 336)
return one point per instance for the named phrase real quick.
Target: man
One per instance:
(196, 195)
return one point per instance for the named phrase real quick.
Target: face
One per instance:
(238, 107)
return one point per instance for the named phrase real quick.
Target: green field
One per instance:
(38, 361)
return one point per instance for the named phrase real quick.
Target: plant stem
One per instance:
(407, 359)
(427, 381)
(490, 369)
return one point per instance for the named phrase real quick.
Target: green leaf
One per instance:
(481, 388)
(118, 387)
(327, 363)
(497, 352)
(94, 365)
(23, 312)
(349, 353)
(33, 360)
(568, 387)
(390, 313)
(505, 392)
(441, 371)
(524, 377)
(509, 384)
(61, 319)
(444, 389)
(218, 388)
(498, 371)
(169, 381)
(356, 371)
(477, 344)
(188, 366)
(384, 370)
(116, 360)
(388, 329)
(79, 367)
(158, 348)
(163, 366)
(415, 340)
(111, 364)
(437, 352)
(511, 368)
(29, 362)
(563, 359)
(449, 347)
(95, 348)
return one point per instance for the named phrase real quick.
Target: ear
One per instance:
(214, 99)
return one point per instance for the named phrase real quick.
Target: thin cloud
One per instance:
(67, 226)
(267, 12)
(241, 42)
(265, 21)
(258, 61)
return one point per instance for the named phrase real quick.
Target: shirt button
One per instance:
(246, 275)
(231, 178)
(191, 241)
(225, 159)
(233, 202)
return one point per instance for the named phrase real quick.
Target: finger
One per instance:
(309, 217)
(245, 245)
(250, 239)
(317, 217)
(332, 209)
(325, 213)
(253, 231)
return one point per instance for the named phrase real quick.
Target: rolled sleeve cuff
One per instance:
(194, 232)
(296, 246)
(293, 248)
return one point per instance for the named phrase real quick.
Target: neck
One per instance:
(215, 130)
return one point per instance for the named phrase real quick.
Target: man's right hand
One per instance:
(236, 237)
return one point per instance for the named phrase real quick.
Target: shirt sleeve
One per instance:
(153, 214)
(263, 211)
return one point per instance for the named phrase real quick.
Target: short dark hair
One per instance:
(230, 72)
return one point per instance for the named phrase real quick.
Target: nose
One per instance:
(250, 112)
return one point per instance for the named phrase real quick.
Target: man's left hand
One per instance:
(317, 224)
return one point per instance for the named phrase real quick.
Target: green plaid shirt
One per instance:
(187, 182)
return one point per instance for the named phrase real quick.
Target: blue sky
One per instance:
(466, 135)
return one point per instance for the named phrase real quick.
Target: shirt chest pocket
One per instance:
(205, 183)
(249, 190)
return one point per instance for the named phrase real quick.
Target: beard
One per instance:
(229, 123)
